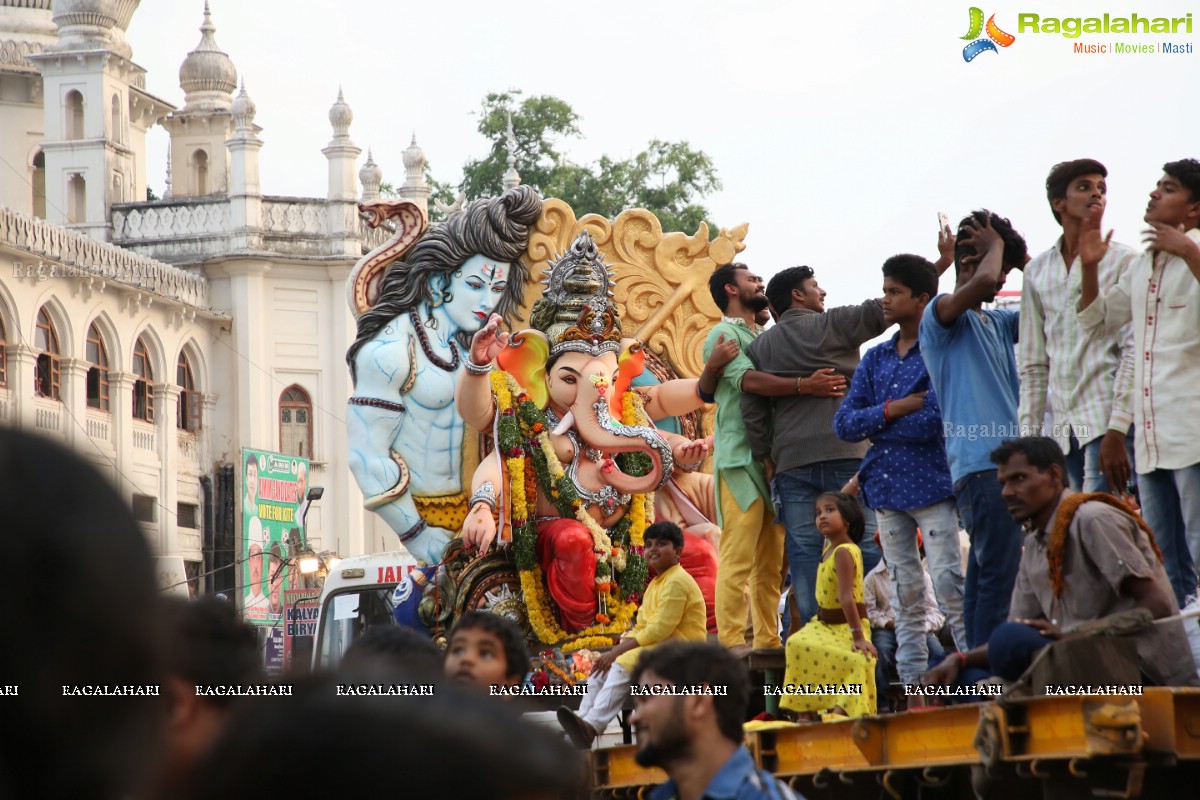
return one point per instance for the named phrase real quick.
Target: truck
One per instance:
(357, 596)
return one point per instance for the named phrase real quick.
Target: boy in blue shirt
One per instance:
(973, 369)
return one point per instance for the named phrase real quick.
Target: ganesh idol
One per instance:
(406, 437)
(570, 483)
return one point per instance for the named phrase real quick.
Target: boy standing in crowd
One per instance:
(969, 354)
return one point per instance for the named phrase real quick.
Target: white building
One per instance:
(160, 338)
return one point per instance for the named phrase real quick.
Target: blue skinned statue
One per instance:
(405, 434)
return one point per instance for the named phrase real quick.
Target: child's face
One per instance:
(829, 519)
(475, 657)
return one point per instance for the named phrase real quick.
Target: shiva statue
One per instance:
(405, 434)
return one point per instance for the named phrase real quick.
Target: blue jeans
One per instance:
(995, 554)
(1083, 468)
(1170, 501)
(798, 490)
(939, 533)
(1011, 649)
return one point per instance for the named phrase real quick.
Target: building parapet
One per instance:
(104, 261)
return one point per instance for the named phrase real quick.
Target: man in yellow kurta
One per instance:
(672, 610)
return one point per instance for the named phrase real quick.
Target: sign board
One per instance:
(301, 607)
(274, 491)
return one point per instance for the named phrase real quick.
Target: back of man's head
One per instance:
(81, 608)
(694, 664)
(724, 275)
(391, 648)
(209, 645)
(779, 288)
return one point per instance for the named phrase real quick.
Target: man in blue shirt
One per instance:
(972, 364)
(905, 476)
(689, 722)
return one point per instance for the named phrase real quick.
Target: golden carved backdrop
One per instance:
(661, 282)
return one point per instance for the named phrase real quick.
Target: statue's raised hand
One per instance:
(488, 341)
(479, 529)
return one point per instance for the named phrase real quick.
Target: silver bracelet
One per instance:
(486, 493)
(476, 369)
(689, 468)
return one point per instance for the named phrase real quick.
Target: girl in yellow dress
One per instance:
(831, 661)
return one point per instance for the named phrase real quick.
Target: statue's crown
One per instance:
(577, 312)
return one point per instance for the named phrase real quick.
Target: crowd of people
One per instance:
(1015, 425)
(848, 477)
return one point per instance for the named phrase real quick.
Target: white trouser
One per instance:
(605, 696)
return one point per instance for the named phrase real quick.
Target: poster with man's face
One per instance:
(273, 490)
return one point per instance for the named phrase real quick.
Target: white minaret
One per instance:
(342, 154)
(511, 178)
(94, 115)
(245, 189)
(199, 130)
(415, 187)
(370, 176)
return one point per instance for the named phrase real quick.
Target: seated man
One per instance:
(672, 610)
(879, 595)
(1087, 556)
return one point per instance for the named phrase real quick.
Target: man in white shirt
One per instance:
(1160, 293)
(1056, 357)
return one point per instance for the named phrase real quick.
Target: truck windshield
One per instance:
(348, 615)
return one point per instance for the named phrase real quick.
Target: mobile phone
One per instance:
(944, 221)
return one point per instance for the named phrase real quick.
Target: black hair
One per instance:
(1063, 173)
(665, 531)
(914, 272)
(497, 227)
(1015, 248)
(723, 276)
(700, 664)
(1040, 451)
(516, 653)
(396, 647)
(851, 511)
(81, 607)
(779, 288)
(208, 644)
(1187, 172)
(452, 743)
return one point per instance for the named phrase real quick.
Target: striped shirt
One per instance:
(1162, 298)
(1059, 360)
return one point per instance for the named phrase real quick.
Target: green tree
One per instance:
(667, 178)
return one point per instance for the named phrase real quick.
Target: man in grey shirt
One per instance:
(794, 436)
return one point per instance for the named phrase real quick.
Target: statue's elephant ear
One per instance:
(525, 359)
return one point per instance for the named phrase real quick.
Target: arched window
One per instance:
(200, 166)
(47, 379)
(3, 355)
(118, 124)
(188, 417)
(77, 207)
(97, 375)
(73, 123)
(143, 383)
(295, 422)
(39, 185)
(117, 189)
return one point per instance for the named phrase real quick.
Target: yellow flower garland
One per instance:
(538, 608)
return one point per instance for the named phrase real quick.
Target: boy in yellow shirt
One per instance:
(672, 610)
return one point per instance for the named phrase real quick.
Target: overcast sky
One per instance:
(838, 130)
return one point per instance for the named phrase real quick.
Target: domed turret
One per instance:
(84, 24)
(207, 76)
(340, 116)
(370, 176)
(243, 109)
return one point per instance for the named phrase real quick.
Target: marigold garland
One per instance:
(522, 436)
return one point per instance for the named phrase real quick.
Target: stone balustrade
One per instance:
(86, 257)
(170, 220)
